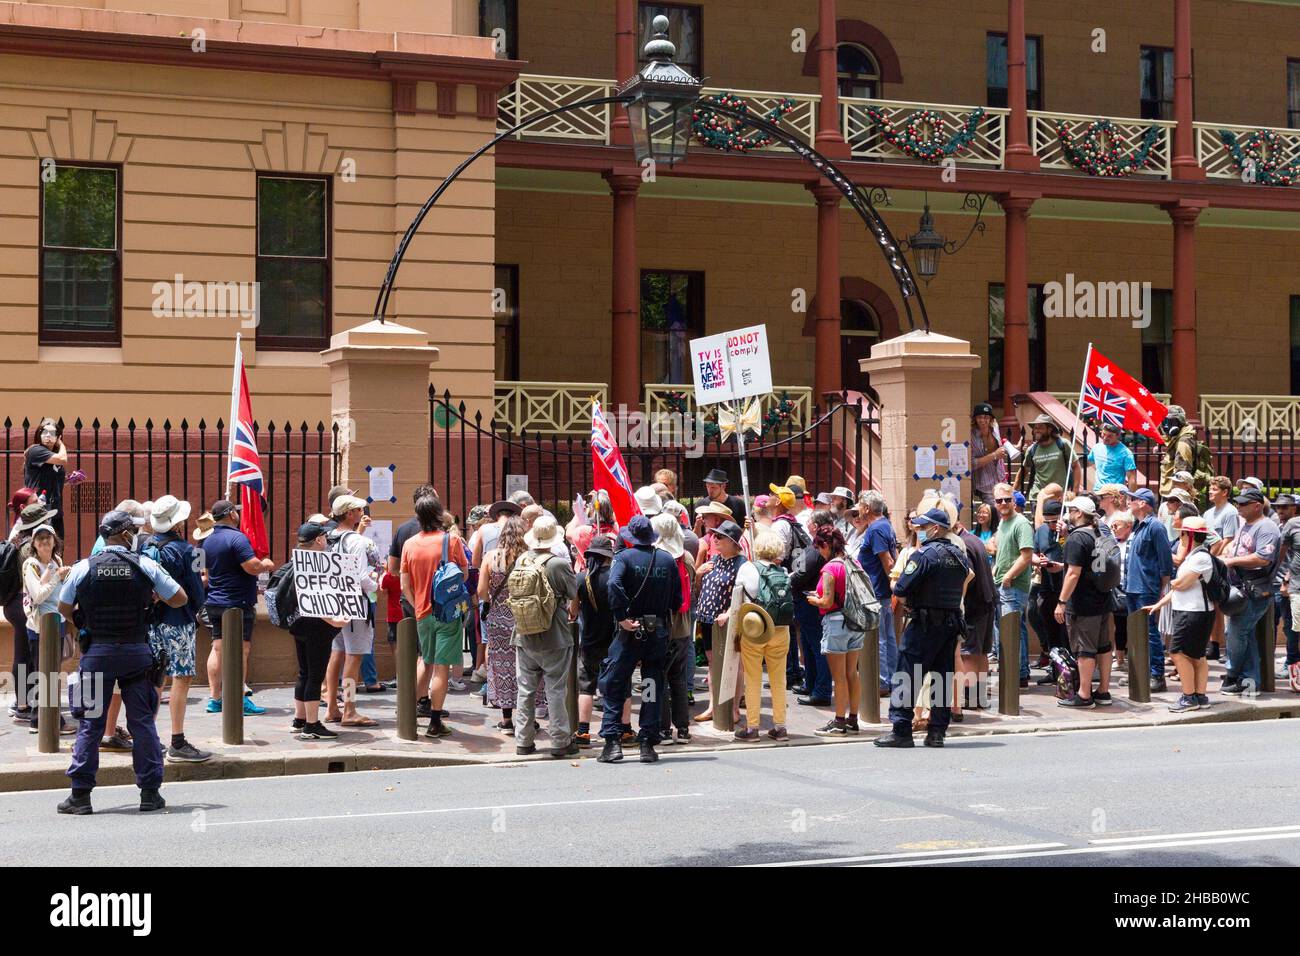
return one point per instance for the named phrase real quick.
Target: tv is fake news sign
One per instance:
(731, 365)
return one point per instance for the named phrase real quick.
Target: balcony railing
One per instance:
(1128, 135)
(1281, 147)
(546, 408)
(658, 399)
(866, 125)
(1247, 418)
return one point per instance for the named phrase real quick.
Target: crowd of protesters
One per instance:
(643, 605)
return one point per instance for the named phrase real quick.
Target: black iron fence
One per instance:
(144, 462)
(474, 460)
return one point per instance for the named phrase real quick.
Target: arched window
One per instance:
(859, 330)
(858, 71)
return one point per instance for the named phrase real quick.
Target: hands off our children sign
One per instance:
(329, 584)
(731, 365)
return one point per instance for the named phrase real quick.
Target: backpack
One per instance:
(282, 597)
(775, 594)
(11, 574)
(1064, 670)
(1107, 577)
(796, 562)
(1216, 590)
(447, 592)
(861, 606)
(529, 594)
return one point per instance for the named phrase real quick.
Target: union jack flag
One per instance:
(245, 462)
(1103, 405)
(609, 473)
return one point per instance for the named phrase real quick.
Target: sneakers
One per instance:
(298, 724)
(120, 742)
(424, 707)
(851, 725)
(613, 751)
(525, 750)
(251, 709)
(76, 805)
(187, 753)
(666, 738)
(582, 740)
(683, 737)
(747, 734)
(214, 706)
(151, 800)
(1203, 700)
(437, 729)
(1236, 688)
(1102, 699)
(1074, 700)
(778, 733)
(834, 728)
(1158, 685)
(479, 675)
(456, 684)
(559, 753)
(317, 731)
(1185, 703)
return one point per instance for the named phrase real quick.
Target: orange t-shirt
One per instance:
(421, 556)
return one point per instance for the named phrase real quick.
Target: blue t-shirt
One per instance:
(878, 538)
(229, 585)
(162, 581)
(177, 558)
(1113, 464)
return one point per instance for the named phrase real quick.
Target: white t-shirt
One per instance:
(747, 577)
(1193, 599)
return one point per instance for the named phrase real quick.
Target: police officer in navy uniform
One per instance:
(933, 584)
(112, 594)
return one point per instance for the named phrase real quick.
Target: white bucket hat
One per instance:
(544, 533)
(167, 512)
(649, 500)
(669, 530)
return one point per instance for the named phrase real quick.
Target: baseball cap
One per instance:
(222, 508)
(983, 408)
(936, 516)
(310, 532)
(1018, 498)
(114, 523)
(1052, 508)
(345, 503)
(1250, 496)
(1082, 504)
(1144, 494)
(1183, 477)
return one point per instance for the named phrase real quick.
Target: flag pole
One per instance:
(740, 448)
(1078, 417)
(234, 413)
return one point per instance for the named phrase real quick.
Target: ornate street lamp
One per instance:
(660, 102)
(927, 243)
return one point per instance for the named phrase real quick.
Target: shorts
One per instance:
(590, 659)
(1089, 636)
(214, 620)
(978, 641)
(1190, 633)
(441, 642)
(358, 639)
(178, 640)
(836, 636)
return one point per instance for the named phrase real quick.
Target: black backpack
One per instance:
(11, 572)
(282, 597)
(1107, 576)
(796, 562)
(1216, 590)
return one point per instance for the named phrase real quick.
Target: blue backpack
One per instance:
(448, 592)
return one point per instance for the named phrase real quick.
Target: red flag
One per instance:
(1112, 395)
(245, 461)
(607, 468)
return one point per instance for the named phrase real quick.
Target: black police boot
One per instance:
(934, 738)
(613, 751)
(77, 804)
(151, 800)
(648, 754)
(893, 739)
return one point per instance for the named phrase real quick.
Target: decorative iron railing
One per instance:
(879, 130)
(1131, 137)
(1260, 152)
(793, 403)
(1249, 417)
(546, 408)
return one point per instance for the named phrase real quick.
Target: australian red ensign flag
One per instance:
(1112, 395)
(608, 470)
(245, 462)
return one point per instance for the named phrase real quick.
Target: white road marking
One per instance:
(1202, 833)
(488, 806)
(927, 816)
(915, 854)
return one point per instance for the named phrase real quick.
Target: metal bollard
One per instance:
(48, 662)
(1139, 659)
(1266, 638)
(232, 676)
(869, 677)
(407, 649)
(1009, 664)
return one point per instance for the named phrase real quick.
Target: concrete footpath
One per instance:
(271, 750)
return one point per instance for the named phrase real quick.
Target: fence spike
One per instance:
(113, 424)
(148, 424)
(95, 424)
(320, 427)
(130, 425)
(8, 422)
(167, 424)
(26, 424)
(202, 424)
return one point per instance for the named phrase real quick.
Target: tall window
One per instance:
(505, 313)
(293, 262)
(81, 254)
(858, 72)
(997, 334)
(1295, 345)
(995, 70)
(685, 29)
(672, 313)
(1158, 343)
(1157, 67)
(1293, 93)
(499, 19)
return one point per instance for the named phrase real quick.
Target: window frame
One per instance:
(1038, 72)
(1292, 116)
(1167, 295)
(698, 69)
(106, 338)
(1142, 51)
(512, 28)
(1295, 344)
(1037, 345)
(695, 306)
(875, 78)
(295, 343)
(512, 359)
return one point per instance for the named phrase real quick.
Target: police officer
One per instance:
(644, 589)
(933, 585)
(112, 592)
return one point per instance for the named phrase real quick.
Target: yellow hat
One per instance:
(794, 480)
(755, 624)
(784, 493)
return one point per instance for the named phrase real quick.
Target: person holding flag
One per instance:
(1117, 402)
(609, 473)
(245, 461)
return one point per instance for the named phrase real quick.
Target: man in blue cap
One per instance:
(1150, 566)
(644, 589)
(111, 595)
(933, 584)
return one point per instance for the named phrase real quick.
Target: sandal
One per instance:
(336, 718)
(702, 718)
(359, 721)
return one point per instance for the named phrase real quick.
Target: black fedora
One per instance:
(716, 477)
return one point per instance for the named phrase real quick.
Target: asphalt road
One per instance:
(1208, 795)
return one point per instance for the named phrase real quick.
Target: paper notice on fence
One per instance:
(329, 584)
(731, 365)
(959, 459)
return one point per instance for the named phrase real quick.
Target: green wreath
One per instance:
(931, 147)
(730, 135)
(1088, 153)
(1260, 151)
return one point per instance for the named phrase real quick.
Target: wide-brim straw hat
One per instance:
(754, 623)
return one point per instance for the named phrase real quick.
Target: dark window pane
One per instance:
(1293, 93)
(1295, 345)
(995, 71)
(80, 209)
(672, 313)
(684, 30)
(79, 292)
(500, 15)
(1157, 83)
(505, 304)
(291, 217)
(292, 299)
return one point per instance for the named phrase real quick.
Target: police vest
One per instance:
(115, 597)
(939, 588)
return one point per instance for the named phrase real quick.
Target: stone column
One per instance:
(1183, 163)
(1019, 151)
(1186, 392)
(830, 138)
(924, 381)
(826, 320)
(625, 342)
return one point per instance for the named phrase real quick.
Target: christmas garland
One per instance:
(782, 413)
(931, 148)
(1261, 151)
(1086, 151)
(779, 414)
(731, 135)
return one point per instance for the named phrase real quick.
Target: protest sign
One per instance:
(731, 365)
(329, 584)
